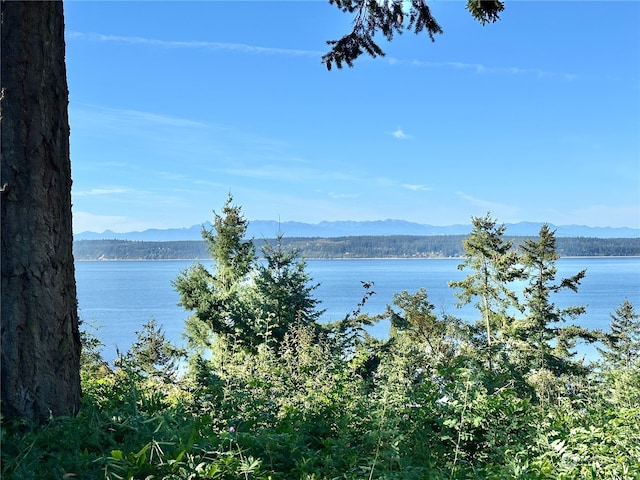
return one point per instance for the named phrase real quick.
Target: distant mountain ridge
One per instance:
(270, 228)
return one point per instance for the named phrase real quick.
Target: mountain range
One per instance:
(270, 228)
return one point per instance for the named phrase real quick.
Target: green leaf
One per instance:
(117, 454)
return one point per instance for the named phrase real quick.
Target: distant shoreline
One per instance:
(331, 259)
(346, 248)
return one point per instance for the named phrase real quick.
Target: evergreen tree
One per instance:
(283, 295)
(245, 302)
(218, 299)
(234, 256)
(152, 355)
(494, 264)
(622, 343)
(544, 344)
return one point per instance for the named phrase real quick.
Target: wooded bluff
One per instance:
(391, 246)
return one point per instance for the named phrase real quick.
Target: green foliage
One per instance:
(543, 344)
(218, 298)
(349, 334)
(91, 362)
(326, 402)
(388, 18)
(243, 301)
(621, 346)
(283, 296)
(589, 438)
(494, 265)
(438, 339)
(152, 355)
(485, 11)
(226, 243)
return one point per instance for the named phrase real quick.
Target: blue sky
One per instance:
(175, 104)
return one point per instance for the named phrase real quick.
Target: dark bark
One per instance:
(40, 339)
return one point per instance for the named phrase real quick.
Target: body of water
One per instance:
(117, 297)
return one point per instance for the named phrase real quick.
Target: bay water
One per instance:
(116, 298)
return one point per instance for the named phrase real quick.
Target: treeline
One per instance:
(393, 246)
(133, 250)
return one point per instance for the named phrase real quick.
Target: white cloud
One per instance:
(337, 196)
(102, 191)
(400, 134)
(192, 44)
(268, 172)
(483, 69)
(505, 213)
(125, 119)
(292, 172)
(168, 135)
(415, 188)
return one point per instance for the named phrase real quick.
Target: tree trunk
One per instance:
(40, 337)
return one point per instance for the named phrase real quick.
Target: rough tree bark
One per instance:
(40, 338)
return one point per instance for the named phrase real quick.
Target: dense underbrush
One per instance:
(307, 412)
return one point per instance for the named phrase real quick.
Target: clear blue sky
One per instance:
(175, 104)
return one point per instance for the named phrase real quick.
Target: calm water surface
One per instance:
(119, 297)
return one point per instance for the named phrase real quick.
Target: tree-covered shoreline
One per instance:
(363, 247)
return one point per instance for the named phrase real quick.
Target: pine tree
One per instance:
(245, 302)
(218, 299)
(152, 354)
(494, 265)
(283, 293)
(226, 243)
(544, 342)
(622, 343)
